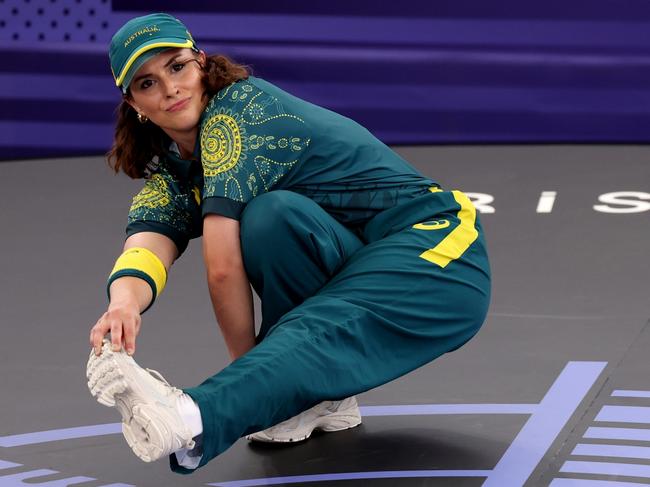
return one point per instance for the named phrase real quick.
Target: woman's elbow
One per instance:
(219, 274)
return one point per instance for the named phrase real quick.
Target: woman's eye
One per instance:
(145, 84)
(178, 66)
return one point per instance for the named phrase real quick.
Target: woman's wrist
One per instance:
(125, 303)
(131, 292)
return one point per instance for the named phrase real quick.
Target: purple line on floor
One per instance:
(592, 483)
(542, 428)
(620, 393)
(15, 480)
(624, 414)
(620, 451)
(637, 434)
(607, 468)
(400, 474)
(419, 409)
(4, 464)
(60, 434)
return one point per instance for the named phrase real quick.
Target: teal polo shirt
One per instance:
(253, 138)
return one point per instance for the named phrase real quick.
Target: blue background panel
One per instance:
(432, 73)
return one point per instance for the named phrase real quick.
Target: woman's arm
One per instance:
(130, 296)
(228, 284)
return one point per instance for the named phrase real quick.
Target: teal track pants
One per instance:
(344, 314)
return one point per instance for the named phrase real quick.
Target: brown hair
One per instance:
(136, 145)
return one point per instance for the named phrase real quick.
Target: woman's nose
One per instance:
(169, 87)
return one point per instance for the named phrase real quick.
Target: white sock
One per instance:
(191, 415)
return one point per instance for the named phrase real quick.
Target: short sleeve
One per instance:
(161, 207)
(249, 142)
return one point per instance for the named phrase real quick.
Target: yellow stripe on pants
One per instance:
(460, 238)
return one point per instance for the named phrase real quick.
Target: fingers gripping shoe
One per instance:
(326, 416)
(151, 423)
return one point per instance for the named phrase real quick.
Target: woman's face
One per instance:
(168, 90)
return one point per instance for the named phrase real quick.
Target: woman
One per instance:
(365, 268)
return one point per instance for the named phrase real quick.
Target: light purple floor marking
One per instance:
(421, 409)
(592, 483)
(399, 474)
(16, 480)
(620, 451)
(61, 434)
(631, 394)
(606, 468)
(624, 414)
(366, 411)
(618, 434)
(539, 432)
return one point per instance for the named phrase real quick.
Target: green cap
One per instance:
(142, 38)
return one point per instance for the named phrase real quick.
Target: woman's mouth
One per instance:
(178, 106)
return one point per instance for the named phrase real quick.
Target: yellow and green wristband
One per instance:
(142, 263)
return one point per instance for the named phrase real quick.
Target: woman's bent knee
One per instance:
(267, 215)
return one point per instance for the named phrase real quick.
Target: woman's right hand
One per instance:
(122, 320)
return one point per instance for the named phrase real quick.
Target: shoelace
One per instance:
(157, 375)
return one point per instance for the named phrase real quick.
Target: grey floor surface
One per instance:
(554, 390)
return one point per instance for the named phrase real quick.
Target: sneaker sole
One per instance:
(107, 384)
(327, 424)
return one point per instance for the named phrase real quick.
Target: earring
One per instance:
(142, 118)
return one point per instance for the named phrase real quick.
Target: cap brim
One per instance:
(137, 64)
(164, 42)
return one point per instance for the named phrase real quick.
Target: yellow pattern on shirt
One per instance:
(154, 194)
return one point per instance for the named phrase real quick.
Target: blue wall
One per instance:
(416, 72)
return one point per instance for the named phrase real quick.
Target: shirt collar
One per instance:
(173, 147)
(181, 167)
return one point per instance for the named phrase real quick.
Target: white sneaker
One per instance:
(151, 423)
(326, 416)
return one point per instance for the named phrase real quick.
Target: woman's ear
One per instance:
(130, 101)
(202, 58)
